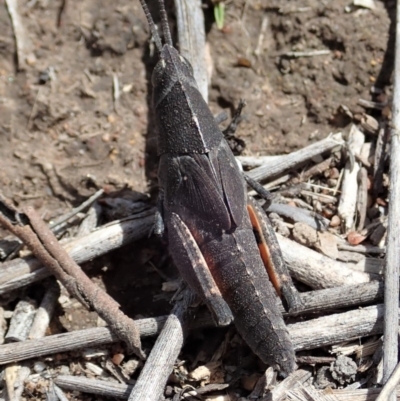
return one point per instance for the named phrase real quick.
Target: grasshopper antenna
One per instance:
(164, 23)
(152, 25)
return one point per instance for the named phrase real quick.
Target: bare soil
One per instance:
(62, 135)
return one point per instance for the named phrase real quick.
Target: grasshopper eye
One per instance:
(158, 73)
(187, 64)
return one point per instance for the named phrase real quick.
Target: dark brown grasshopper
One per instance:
(210, 222)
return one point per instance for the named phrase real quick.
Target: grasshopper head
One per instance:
(170, 69)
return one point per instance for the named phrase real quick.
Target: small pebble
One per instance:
(117, 359)
(335, 221)
(39, 367)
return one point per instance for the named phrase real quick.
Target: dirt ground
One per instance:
(62, 135)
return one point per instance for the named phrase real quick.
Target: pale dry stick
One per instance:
(292, 381)
(3, 325)
(310, 53)
(257, 161)
(348, 198)
(291, 161)
(23, 271)
(316, 270)
(332, 329)
(392, 262)
(154, 375)
(23, 43)
(93, 386)
(88, 338)
(191, 33)
(45, 311)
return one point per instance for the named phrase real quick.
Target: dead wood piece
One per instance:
(348, 199)
(291, 161)
(88, 338)
(390, 385)
(292, 381)
(23, 271)
(191, 33)
(154, 375)
(36, 234)
(340, 297)
(3, 325)
(77, 210)
(45, 312)
(331, 329)
(369, 394)
(316, 270)
(93, 386)
(21, 321)
(361, 248)
(392, 265)
(256, 161)
(297, 214)
(317, 169)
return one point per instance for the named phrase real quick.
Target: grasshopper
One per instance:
(218, 237)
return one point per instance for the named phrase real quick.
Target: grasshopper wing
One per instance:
(195, 195)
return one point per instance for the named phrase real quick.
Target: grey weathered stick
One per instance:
(340, 297)
(154, 375)
(21, 321)
(71, 341)
(379, 159)
(291, 382)
(23, 271)
(362, 197)
(310, 334)
(392, 262)
(297, 215)
(93, 386)
(331, 329)
(293, 160)
(77, 210)
(191, 33)
(390, 385)
(45, 311)
(316, 270)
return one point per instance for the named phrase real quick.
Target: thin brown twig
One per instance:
(35, 233)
